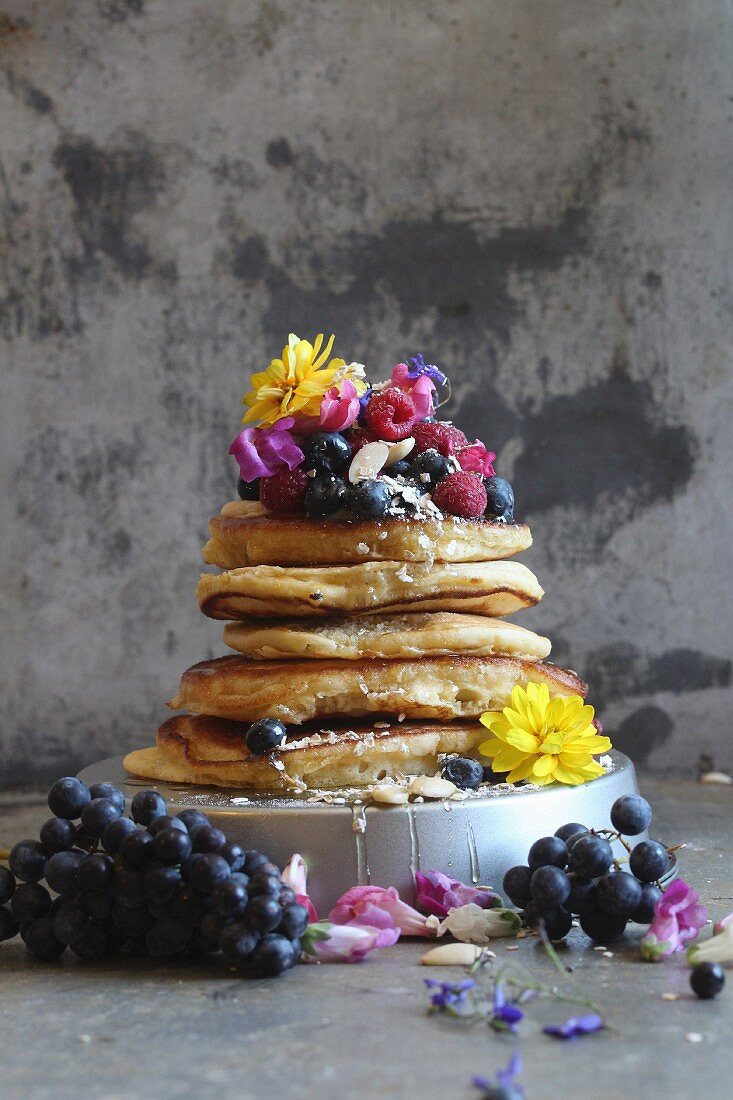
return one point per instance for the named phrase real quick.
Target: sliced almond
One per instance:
(717, 777)
(367, 462)
(432, 786)
(395, 796)
(398, 451)
(451, 954)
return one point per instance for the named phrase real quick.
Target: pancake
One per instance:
(443, 688)
(483, 588)
(245, 534)
(212, 751)
(423, 634)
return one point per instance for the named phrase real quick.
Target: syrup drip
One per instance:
(473, 854)
(414, 841)
(359, 824)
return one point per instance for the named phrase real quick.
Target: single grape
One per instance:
(556, 920)
(68, 797)
(147, 805)
(294, 921)
(93, 943)
(83, 840)
(165, 822)
(136, 850)
(97, 815)
(57, 835)
(208, 838)
(98, 906)
(108, 790)
(115, 833)
(565, 832)
(631, 814)
(171, 846)
(649, 861)
(234, 855)
(548, 851)
(70, 923)
(644, 912)
(237, 943)
(253, 860)
(192, 819)
(230, 898)
(62, 871)
(212, 926)
(9, 926)
(168, 937)
(40, 941)
(30, 901)
(286, 896)
(161, 883)
(273, 955)
(583, 895)
(591, 856)
(603, 927)
(133, 923)
(96, 872)
(205, 870)
(263, 914)
(619, 893)
(189, 905)
(549, 886)
(707, 979)
(516, 886)
(263, 885)
(127, 888)
(27, 860)
(7, 885)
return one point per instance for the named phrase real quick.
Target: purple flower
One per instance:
(448, 995)
(678, 917)
(504, 1084)
(575, 1026)
(505, 1015)
(418, 367)
(437, 894)
(262, 452)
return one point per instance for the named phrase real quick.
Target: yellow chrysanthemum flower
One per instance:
(296, 383)
(544, 740)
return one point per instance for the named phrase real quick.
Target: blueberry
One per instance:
(549, 886)
(57, 834)
(205, 870)
(27, 860)
(548, 851)
(369, 499)
(97, 815)
(264, 735)
(7, 885)
(326, 453)
(591, 856)
(68, 797)
(465, 773)
(172, 846)
(108, 790)
(248, 490)
(430, 467)
(619, 893)
(565, 832)
(237, 943)
(500, 498)
(146, 805)
(273, 955)
(115, 833)
(324, 496)
(96, 873)
(707, 979)
(516, 886)
(400, 469)
(603, 927)
(631, 814)
(40, 940)
(9, 926)
(644, 912)
(583, 895)
(30, 901)
(649, 861)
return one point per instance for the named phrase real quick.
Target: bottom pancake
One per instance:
(212, 752)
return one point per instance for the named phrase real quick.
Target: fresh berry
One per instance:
(263, 914)
(7, 885)
(108, 790)
(161, 883)
(248, 490)
(192, 819)
(461, 494)
(358, 438)
(158, 824)
(27, 860)
(400, 469)
(631, 814)
(549, 886)
(430, 467)
(644, 912)
(583, 895)
(230, 897)
(649, 861)
(284, 492)
(167, 937)
(548, 851)
(96, 873)
(9, 926)
(273, 954)
(127, 888)
(516, 886)
(62, 871)
(264, 735)
(91, 944)
(234, 855)
(707, 979)
(571, 829)
(369, 498)
(391, 415)
(40, 940)
(57, 834)
(438, 436)
(603, 927)
(499, 498)
(209, 838)
(464, 772)
(30, 901)
(68, 797)
(146, 805)
(206, 870)
(619, 893)
(171, 846)
(294, 920)
(97, 815)
(324, 496)
(555, 919)
(237, 943)
(326, 453)
(69, 923)
(136, 850)
(591, 856)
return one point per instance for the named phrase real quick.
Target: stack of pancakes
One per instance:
(378, 644)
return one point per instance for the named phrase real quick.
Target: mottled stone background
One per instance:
(535, 194)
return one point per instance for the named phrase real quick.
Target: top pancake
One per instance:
(246, 534)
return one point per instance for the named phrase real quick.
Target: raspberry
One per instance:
(438, 436)
(461, 494)
(391, 414)
(358, 438)
(284, 491)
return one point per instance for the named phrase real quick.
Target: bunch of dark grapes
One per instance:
(573, 873)
(150, 883)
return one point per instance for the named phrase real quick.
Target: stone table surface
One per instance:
(141, 1029)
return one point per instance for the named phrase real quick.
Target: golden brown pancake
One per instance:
(245, 534)
(298, 691)
(213, 751)
(372, 588)
(425, 634)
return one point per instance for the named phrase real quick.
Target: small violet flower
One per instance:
(678, 917)
(295, 875)
(504, 1084)
(340, 407)
(575, 1026)
(505, 1015)
(419, 368)
(448, 995)
(262, 452)
(437, 894)
(380, 908)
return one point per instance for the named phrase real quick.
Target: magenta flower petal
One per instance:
(295, 875)
(438, 893)
(476, 459)
(419, 387)
(340, 408)
(678, 917)
(381, 907)
(351, 943)
(262, 452)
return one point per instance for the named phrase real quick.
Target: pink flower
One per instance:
(339, 408)
(351, 942)
(420, 389)
(438, 893)
(476, 459)
(678, 917)
(262, 452)
(380, 908)
(295, 875)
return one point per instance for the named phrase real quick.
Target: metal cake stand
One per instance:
(347, 844)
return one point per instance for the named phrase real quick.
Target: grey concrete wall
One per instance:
(535, 194)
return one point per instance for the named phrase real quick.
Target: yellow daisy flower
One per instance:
(296, 383)
(544, 740)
